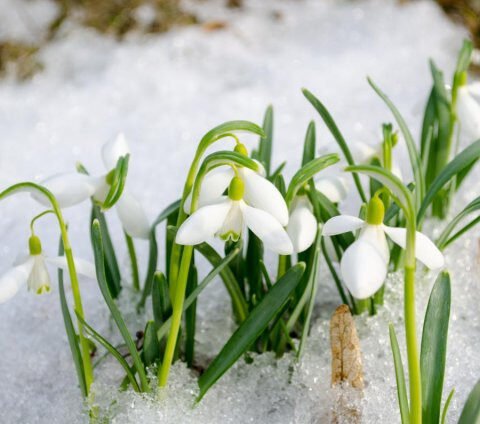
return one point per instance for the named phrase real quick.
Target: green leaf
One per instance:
(445, 407)
(427, 126)
(219, 268)
(337, 135)
(464, 57)
(411, 146)
(118, 183)
(161, 306)
(464, 159)
(191, 318)
(114, 311)
(70, 330)
(400, 377)
(309, 144)
(151, 346)
(153, 251)
(251, 328)
(434, 349)
(114, 352)
(112, 271)
(471, 409)
(266, 142)
(308, 171)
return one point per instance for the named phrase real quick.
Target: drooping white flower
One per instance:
(259, 192)
(364, 153)
(468, 110)
(364, 264)
(72, 188)
(302, 225)
(32, 270)
(334, 186)
(227, 216)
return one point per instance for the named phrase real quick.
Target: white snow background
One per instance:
(165, 91)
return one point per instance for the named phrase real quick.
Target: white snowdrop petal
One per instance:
(68, 188)
(113, 150)
(13, 279)
(335, 188)
(39, 279)
(474, 88)
(132, 216)
(233, 224)
(82, 266)
(375, 235)
(203, 223)
(425, 249)
(302, 225)
(213, 186)
(267, 229)
(364, 153)
(397, 171)
(342, 224)
(262, 194)
(363, 269)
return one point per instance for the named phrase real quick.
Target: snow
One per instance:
(165, 92)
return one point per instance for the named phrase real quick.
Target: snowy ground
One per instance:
(164, 92)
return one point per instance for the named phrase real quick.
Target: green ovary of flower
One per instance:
(34, 245)
(240, 148)
(236, 189)
(375, 211)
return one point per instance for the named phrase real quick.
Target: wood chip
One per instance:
(346, 356)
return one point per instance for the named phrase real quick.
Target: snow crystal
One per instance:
(164, 92)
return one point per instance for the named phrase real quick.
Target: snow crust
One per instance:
(165, 92)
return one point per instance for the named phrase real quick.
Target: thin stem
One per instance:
(35, 218)
(410, 327)
(77, 299)
(133, 261)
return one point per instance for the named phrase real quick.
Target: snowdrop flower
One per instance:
(364, 264)
(256, 206)
(302, 225)
(73, 188)
(468, 109)
(334, 187)
(32, 270)
(258, 191)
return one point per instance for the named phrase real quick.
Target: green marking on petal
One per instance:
(45, 288)
(230, 235)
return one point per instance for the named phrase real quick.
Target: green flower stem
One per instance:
(133, 261)
(77, 299)
(410, 326)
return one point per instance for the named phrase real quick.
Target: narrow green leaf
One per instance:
(471, 409)
(161, 305)
(251, 328)
(465, 56)
(219, 268)
(266, 142)
(151, 346)
(112, 271)
(114, 352)
(400, 377)
(309, 144)
(337, 135)
(191, 318)
(118, 183)
(427, 126)
(434, 348)
(115, 312)
(70, 330)
(307, 172)
(445, 407)
(464, 159)
(411, 146)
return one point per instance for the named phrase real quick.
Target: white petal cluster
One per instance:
(32, 271)
(261, 208)
(364, 265)
(72, 188)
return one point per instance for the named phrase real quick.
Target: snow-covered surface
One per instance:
(164, 92)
